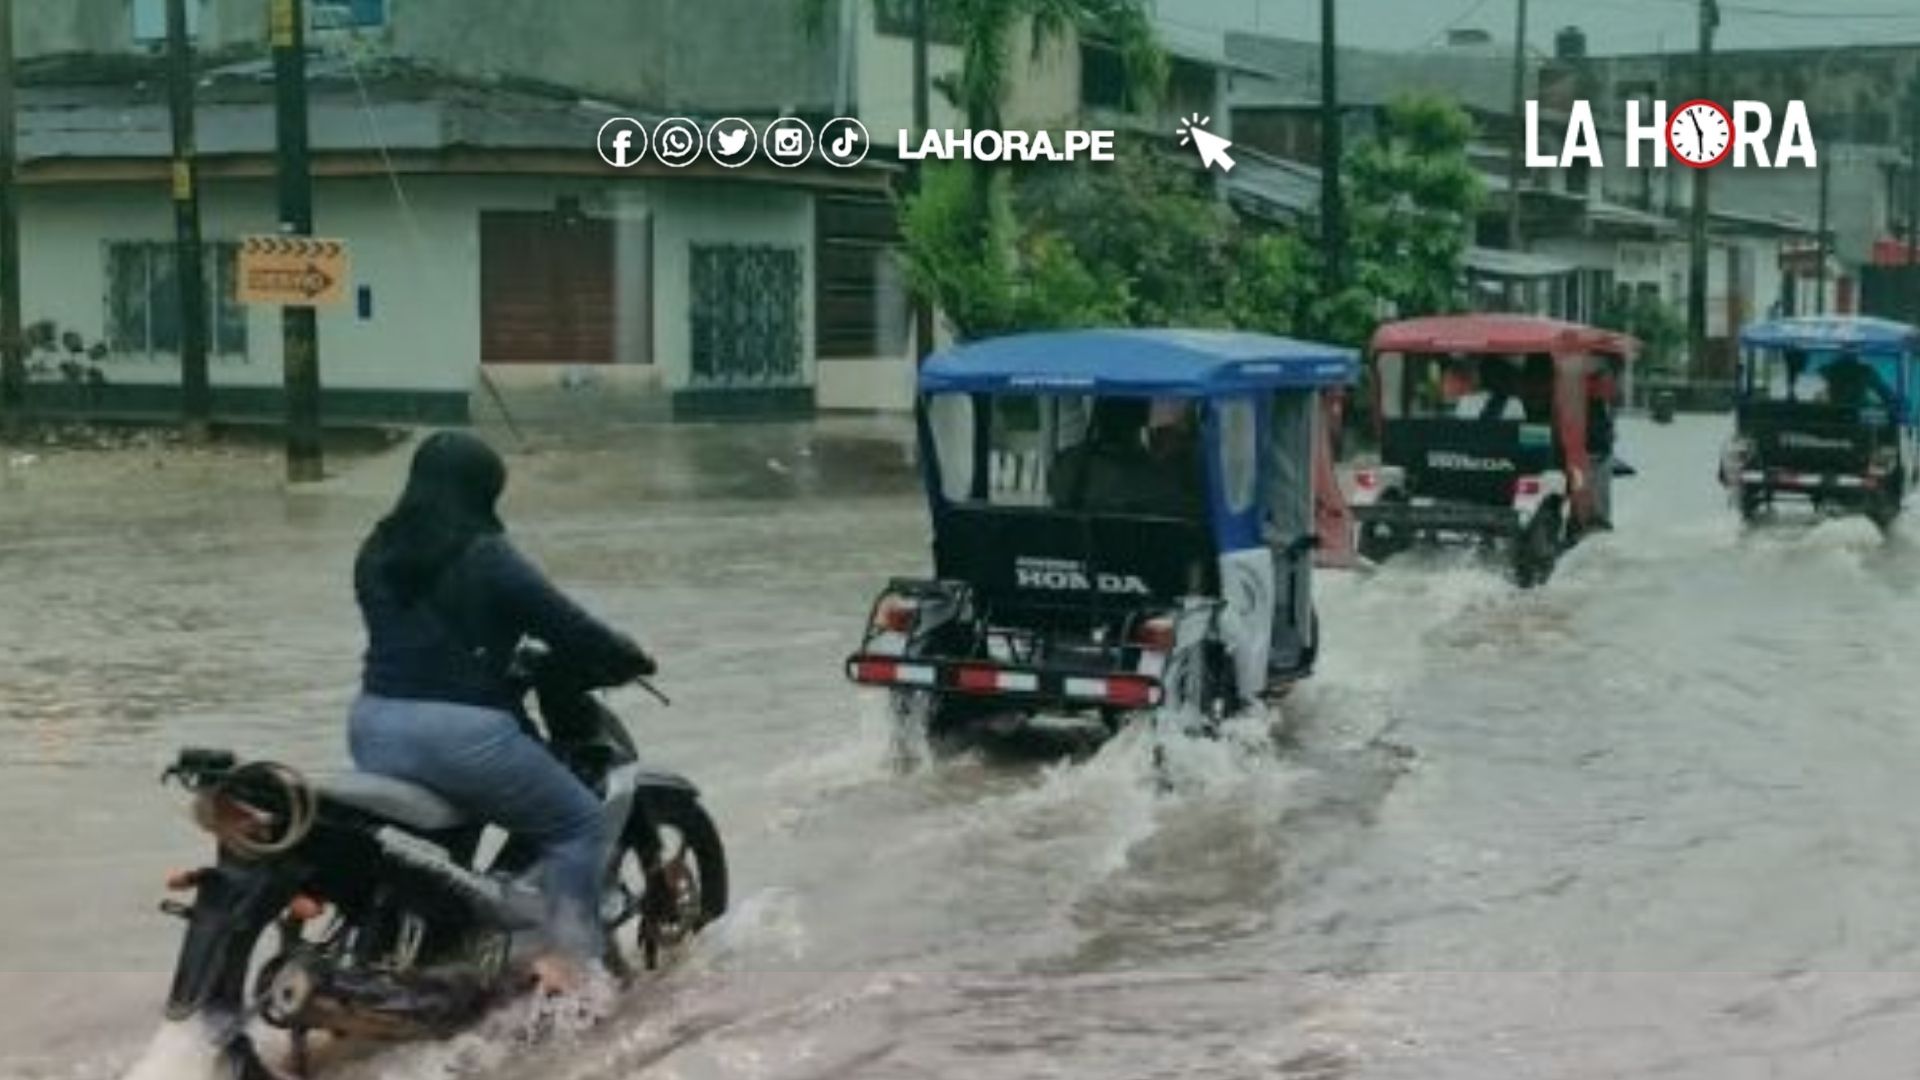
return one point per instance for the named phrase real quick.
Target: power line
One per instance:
(1878, 17)
(1472, 10)
(1771, 12)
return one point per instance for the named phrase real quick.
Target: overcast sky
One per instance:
(1612, 26)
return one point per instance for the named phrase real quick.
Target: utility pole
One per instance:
(13, 361)
(196, 402)
(1697, 234)
(300, 350)
(1515, 143)
(1820, 245)
(1333, 230)
(923, 329)
(1913, 201)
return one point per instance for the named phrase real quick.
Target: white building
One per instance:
(482, 228)
(454, 153)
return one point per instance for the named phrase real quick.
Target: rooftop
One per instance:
(1491, 333)
(117, 110)
(1811, 331)
(1171, 363)
(1291, 75)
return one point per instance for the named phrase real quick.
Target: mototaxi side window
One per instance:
(1021, 432)
(950, 421)
(1001, 449)
(1427, 386)
(1239, 449)
(1822, 376)
(1390, 371)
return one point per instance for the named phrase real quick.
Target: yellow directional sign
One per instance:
(292, 271)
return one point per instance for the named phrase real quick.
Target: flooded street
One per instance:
(1656, 819)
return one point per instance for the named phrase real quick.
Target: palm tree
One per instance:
(985, 31)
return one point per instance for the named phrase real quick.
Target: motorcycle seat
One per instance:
(397, 801)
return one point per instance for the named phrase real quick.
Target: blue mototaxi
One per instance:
(1824, 413)
(1123, 520)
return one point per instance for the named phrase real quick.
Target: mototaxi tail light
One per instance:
(1367, 479)
(895, 615)
(1131, 693)
(1527, 487)
(305, 908)
(1155, 634)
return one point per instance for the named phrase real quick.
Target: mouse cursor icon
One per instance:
(1213, 149)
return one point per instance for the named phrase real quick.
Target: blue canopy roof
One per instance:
(1857, 332)
(1156, 363)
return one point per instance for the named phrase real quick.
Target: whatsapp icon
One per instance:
(677, 141)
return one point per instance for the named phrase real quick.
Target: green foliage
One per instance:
(985, 36)
(963, 249)
(1659, 326)
(1137, 242)
(1058, 290)
(1141, 241)
(1269, 288)
(1413, 194)
(1143, 221)
(967, 276)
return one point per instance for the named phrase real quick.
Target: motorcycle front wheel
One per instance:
(668, 881)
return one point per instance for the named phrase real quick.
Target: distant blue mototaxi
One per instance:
(1824, 414)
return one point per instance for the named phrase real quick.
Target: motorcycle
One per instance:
(378, 916)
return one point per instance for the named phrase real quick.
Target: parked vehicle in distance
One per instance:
(1823, 413)
(1495, 430)
(1124, 521)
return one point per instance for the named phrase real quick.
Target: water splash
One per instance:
(530, 1025)
(180, 1050)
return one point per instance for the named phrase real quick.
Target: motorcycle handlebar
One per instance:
(653, 690)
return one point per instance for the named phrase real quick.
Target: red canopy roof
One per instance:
(1893, 251)
(1478, 334)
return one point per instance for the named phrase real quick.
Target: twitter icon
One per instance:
(732, 142)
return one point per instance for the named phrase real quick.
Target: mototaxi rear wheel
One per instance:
(1537, 548)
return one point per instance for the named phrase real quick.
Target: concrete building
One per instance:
(1861, 107)
(1588, 235)
(480, 231)
(453, 144)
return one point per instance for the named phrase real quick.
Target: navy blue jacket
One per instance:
(455, 646)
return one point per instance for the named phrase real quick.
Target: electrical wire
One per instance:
(1676, 6)
(416, 234)
(1440, 34)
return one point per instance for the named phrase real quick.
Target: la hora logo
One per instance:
(1699, 134)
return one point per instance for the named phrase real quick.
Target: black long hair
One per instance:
(452, 488)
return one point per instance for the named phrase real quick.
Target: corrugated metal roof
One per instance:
(1277, 186)
(1291, 72)
(395, 109)
(1497, 262)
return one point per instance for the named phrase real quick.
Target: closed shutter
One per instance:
(546, 289)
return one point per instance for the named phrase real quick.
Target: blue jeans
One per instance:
(481, 761)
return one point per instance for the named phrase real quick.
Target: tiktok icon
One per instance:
(844, 142)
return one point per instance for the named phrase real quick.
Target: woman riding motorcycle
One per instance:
(446, 599)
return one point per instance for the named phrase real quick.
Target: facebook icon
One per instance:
(623, 142)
